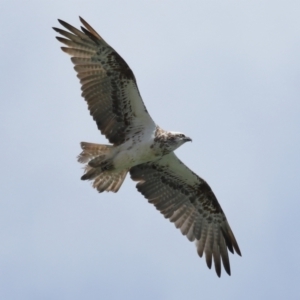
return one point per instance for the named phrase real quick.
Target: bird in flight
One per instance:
(140, 147)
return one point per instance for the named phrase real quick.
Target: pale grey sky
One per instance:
(227, 74)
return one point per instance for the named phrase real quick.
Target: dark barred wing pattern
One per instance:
(188, 201)
(107, 83)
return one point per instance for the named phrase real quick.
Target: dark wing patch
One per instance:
(107, 83)
(188, 201)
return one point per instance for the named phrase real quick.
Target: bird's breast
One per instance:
(132, 154)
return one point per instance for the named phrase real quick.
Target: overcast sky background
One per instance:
(227, 74)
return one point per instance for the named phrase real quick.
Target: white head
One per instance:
(176, 139)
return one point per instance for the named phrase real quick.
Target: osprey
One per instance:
(142, 148)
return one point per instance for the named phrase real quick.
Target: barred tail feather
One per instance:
(109, 181)
(103, 180)
(91, 151)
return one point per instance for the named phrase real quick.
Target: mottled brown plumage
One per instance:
(106, 82)
(188, 201)
(142, 148)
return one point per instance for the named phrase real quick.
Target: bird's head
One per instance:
(176, 139)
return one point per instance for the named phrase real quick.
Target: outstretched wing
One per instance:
(107, 83)
(188, 201)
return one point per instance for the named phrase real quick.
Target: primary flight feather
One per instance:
(142, 148)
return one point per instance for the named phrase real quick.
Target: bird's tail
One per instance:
(98, 161)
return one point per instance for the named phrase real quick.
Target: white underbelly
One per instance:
(132, 155)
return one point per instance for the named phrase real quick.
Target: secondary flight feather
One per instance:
(139, 146)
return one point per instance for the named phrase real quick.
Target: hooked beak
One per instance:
(188, 139)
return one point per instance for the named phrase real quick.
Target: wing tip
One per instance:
(63, 23)
(82, 20)
(89, 30)
(237, 250)
(230, 240)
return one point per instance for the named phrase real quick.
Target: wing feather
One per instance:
(209, 245)
(76, 45)
(198, 227)
(78, 52)
(75, 31)
(217, 260)
(179, 222)
(188, 202)
(178, 213)
(108, 84)
(190, 234)
(189, 221)
(71, 36)
(224, 255)
(82, 61)
(90, 29)
(201, 242)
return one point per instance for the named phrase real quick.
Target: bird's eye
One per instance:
(181, 135)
